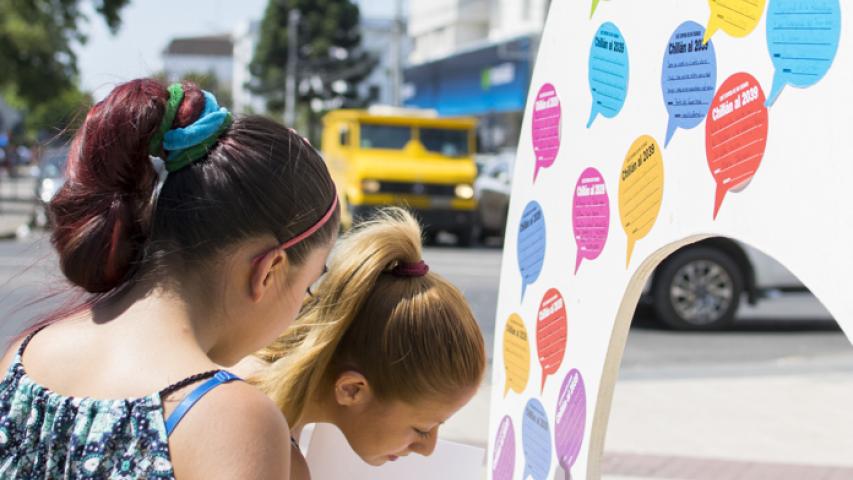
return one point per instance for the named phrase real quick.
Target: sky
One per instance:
(147, 27)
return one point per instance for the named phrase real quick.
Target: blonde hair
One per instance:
(411, 337)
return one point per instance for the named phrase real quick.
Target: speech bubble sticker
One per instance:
(516, 355)
(570, 420)
(738, 18)
(608, 72)
(640, 190)
(688, 78)
(735, 134)
(802, 38)
(593, 7)
(531, 244)
(551, 325)
(503, 459)
(536, 440)
(546, 127)
(590, 215)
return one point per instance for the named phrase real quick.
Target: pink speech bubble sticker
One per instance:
(546, 128)
(590, 215)
(551, 326)
(735, 134)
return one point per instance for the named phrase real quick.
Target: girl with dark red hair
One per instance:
(195, 236)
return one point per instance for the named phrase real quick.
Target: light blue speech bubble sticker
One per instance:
(688, 77)
(531, 244)
(608, 72)
(802, 38)
(536, 441)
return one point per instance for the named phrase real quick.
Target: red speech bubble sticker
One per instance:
(551, 326)
(735, 134)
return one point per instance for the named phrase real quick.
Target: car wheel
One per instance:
(698, 288)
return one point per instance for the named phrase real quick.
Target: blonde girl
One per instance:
(385, 349)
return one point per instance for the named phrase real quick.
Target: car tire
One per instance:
(698, 288)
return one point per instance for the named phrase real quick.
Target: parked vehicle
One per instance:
(51, 177)
(404, 157)
(492, 190)
(698, 287)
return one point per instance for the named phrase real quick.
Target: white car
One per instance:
(698, 287)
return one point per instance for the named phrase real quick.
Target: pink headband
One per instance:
(403, 269)
(307, 233)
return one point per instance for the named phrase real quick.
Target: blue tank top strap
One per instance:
(187, 403)
(26, 342)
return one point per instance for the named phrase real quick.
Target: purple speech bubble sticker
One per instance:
(546, 127)
(503, 461)
(570, 419)
(590, 215)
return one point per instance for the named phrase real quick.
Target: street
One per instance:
(776, 388)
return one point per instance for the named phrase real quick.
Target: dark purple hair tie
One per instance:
(404, 269)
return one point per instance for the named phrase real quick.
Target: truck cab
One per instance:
(404, 157)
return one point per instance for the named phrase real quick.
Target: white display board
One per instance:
(639, 138)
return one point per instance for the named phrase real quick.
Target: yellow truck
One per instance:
(407, 158)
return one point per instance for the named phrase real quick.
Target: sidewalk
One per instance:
(797, 426)
(16, 204)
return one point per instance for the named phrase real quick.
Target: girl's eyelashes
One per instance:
(421, 433)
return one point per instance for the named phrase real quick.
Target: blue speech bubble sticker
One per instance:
(688, 78)
(531, 244)
(536, 441)
(608, 72)
(802, 38)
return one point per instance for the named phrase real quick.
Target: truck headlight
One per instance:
(370, 186)
(464, 191)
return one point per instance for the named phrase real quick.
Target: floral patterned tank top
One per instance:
(45, 435)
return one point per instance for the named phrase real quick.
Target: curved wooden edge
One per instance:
(616, 348)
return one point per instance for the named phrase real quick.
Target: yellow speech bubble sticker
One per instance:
(736, 17)
(516, 354)
(640, 190)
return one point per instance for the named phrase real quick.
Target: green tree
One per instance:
(37, 60)
(331, 61)
(59, 116)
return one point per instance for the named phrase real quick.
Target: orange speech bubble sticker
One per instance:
(516, 354)
(735, 134)
(640, 190)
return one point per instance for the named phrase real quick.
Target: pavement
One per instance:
(16, 205)
(797, 426)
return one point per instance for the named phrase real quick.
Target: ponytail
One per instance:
(102, 214)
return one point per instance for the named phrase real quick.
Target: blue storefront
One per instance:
(489, 82)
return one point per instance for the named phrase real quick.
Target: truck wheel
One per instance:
(698, 288)
(467, 237)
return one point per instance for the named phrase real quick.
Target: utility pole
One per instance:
(396, 53)
(290, 82)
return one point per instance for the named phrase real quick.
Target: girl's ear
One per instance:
(352, 389)
(263, 269)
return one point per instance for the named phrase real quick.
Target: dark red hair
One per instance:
(260, 178)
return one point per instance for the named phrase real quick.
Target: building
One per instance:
(245, 40)
(377, 34)
(474, 57)
(212, 55)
